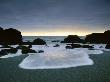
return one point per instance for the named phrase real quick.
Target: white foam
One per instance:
(90, 51)
(54, 58)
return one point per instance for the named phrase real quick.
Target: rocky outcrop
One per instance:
(10, 36)
(107, 46)
(7, 51)
(72, 46)
(56, 45)
(72, 39)
(98, 37)
(38, 41)
(26, 49)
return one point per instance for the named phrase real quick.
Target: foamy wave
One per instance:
(54, 58)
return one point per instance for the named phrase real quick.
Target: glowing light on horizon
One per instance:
(53, 33)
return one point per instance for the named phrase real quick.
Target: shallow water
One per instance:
(99, 72)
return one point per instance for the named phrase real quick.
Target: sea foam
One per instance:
(54, 58)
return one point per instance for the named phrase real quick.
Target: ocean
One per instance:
(47, 38)
(83, 72)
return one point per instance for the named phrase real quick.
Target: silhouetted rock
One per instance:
(39, 41)
(7, 51)
(75, 45)
(5, 46)
(72, 39)
(26, 49)
(98, 37)
(55, 41)
(87, 46)
(68, 47)
(40, 51)
(26, 43)
(10, 36)
(56, 45)
(108, 46)
(72, 46)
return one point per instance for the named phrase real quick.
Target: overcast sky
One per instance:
(55, 17)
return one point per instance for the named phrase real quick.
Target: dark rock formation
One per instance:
(108, 46)
(98, 37)
(26, 50)
(10, 36)
(87, 46)
(56, 45)
(72, 46)
(5, 46)
(7, 51)
(40, 51)
(68, 47)
(39, 41)
(72, 39)
(55, 41)
(26, 43)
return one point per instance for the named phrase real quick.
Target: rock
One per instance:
(10, 36)
(5, 46)
(68, 47)
(40, 51)
(7, 51)
(72, 46)
(26, 43)
(55, 41)
(87, 46)
(3, 52)
(98, 37)
(108, 46)
(26, 49)
(39, 41)
(56, 45)
(75, 45)
(72, 39)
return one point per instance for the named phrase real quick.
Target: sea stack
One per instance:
(10, 36)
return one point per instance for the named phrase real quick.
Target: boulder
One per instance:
(7, 51)
(68, 47)
(72, 46)
(39, 41)
(10, 36)
(87, 46)
(26, 49)
(72, 39)
(40, 51)
(98, 37)
(56, 45)
(108, 46)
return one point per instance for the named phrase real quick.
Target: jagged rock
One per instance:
(10, 36)
(39, 41)
(72, 39)
(56, 45)
(98, 37)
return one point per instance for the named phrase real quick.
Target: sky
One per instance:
(55, 17)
